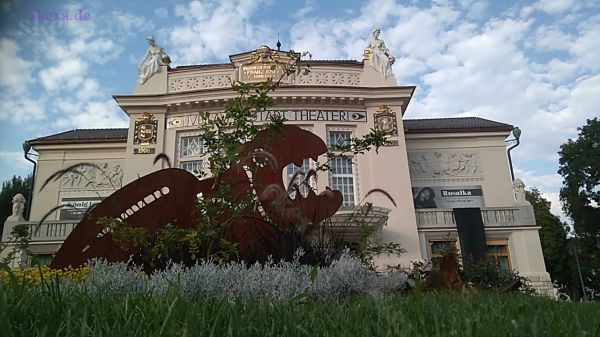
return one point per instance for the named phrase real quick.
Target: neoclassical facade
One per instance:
(449, 177)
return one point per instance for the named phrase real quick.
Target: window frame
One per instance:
(434, 256)
(499, 242)
(353, 166)
(304, 190)
(197, 159)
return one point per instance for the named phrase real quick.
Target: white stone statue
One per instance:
(154, 58)
(378, 56)
(519, 189)
(18, 206)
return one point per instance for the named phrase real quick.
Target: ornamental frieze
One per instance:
(99, 176)
(439, 164)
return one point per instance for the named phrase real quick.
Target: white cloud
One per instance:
(92, 114)
(309, 6)
(23, 111)
(90, 88)
(555, 205)
(68, 74)
(214, 29)
(551, 38)
(15, 72)
(554, 6)
(15, 163)
(129, 24)
(477, 9)
(548, 185)
(586, 48)
(161, 12)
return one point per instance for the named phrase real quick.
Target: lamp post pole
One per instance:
(517, 134)
(26, 148)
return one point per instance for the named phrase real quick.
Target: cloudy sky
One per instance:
(531, 64)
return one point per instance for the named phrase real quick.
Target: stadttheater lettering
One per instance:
(342, 116)
(313, 115)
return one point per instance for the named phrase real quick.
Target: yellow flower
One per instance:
(34, 275)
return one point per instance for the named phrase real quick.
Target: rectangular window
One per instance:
(438, 248)
(338, 138)
(341, 177)
(40, 260)
(191, 146)
(303, 188)
(498, 251)
(193, 166)
(190, 152)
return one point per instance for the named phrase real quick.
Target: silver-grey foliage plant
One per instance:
(272, 281)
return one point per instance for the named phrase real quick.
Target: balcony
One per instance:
(349, 222)
(49, 231)
(353, 222)
(518, 216)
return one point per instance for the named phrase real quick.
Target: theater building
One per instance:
(450, 177)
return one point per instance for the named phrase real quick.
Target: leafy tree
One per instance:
(9, 189)
(580, 197)
(553, 237)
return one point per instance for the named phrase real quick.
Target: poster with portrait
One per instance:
(75, 208)
(447, 196)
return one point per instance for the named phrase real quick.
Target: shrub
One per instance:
(237, 282)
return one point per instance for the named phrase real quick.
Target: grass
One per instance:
(44, 311)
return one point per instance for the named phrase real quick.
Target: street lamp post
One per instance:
(26, 148)
(517, 134)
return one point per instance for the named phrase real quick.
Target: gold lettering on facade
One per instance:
(144, 150)
(261, 71)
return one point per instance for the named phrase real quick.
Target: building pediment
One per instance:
(262, 64)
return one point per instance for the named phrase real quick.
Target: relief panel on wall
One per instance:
(99, 176)
(441, 164)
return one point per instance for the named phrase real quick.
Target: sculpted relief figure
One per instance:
(380, 57)
(443, 164)
(154, 58)
(105, 175)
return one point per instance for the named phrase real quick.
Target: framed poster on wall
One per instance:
(77, 207)
(448, 196)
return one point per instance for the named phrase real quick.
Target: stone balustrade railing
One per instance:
(517, 216)
(45, 232)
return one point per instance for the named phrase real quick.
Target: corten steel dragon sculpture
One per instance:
(168, 196)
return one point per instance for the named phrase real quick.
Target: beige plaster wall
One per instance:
(494, 175)
(139, 165)
(53, 158)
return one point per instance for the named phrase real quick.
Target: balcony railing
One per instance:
(517, 216)
(353, 222)
(47, 231)
(348, 221)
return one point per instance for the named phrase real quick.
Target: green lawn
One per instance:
(35, 312)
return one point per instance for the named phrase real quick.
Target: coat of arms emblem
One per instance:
(145, 129)
(385, 120)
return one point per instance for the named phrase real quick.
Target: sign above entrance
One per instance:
(340, 116)
(314, 116)
(265, 63)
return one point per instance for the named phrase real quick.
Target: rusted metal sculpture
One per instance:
(168, 197)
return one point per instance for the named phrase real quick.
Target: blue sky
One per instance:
(532, 64)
